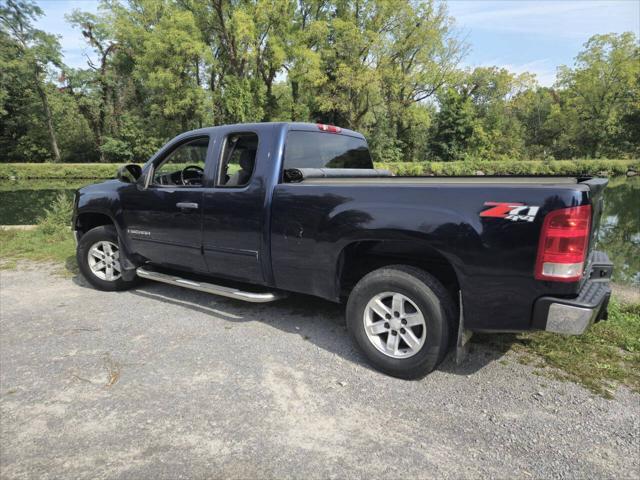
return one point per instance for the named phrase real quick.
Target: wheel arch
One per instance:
(359, 258)
(87, 220)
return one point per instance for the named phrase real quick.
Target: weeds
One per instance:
(606, 355)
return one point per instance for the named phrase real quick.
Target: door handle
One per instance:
(187, 205)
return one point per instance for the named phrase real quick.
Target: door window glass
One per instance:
(184, 166)
(238, 160)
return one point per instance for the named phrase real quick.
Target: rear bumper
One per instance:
(574, 316)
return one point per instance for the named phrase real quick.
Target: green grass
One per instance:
(36, 245)
(52, 240)
(607, 355)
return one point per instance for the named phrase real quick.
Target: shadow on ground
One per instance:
(323, 322)
(71, 266)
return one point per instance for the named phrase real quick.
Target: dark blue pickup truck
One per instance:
(255, 211)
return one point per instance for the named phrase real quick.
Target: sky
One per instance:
(520, 35)
(538, 36)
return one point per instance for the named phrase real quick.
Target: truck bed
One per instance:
(316, 220)
(481, 180)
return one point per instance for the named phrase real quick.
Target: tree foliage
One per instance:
(388, 68)
(27, 54)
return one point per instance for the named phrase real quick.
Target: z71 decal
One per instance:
(510, 211)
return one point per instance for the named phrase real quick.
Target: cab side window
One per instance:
(184, 166)
(238, 160)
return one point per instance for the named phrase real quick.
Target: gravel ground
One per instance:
(162, 382)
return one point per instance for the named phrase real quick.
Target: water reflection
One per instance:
(619, 233)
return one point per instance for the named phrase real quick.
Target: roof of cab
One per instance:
(299, 126)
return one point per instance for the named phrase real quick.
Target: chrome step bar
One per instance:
(252, 297)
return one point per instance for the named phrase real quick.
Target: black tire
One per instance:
(98, 234)
(433, 301)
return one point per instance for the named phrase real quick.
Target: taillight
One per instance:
(329, 128)
(563, 244)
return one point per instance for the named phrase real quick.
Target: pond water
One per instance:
(21, 203)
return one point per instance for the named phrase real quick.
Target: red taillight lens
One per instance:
(329, 128)
(563, 244)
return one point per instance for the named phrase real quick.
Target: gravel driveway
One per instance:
(162, 382)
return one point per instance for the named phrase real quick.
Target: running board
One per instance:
(210, 287)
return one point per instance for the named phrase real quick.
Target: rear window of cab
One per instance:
(325, 150)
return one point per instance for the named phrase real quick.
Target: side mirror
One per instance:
(129, 173)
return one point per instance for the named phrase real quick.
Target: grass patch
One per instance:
(35, 245)
(606, 356)
(51, 240)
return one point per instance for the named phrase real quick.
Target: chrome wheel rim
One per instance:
(395, 325)
(104, 261)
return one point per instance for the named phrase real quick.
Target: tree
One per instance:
(455, 125)
(36, 50)
(418, 57)
(602, 90)
(492, 91)
(96, 89)
(388, 68)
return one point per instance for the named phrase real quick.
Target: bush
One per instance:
(116, 150)
(57, 219)
(70, 171)
(513, 167)
(65, 171)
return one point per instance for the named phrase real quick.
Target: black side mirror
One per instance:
(129, 173)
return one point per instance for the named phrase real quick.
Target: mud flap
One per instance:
(464, 335)
(128, 268)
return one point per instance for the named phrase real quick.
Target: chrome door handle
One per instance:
(187, 205)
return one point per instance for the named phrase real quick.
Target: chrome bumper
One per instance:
(574, 316)
(570, 320)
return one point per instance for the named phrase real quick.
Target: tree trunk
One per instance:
(49, 119)
(271, 104)
(294, 98)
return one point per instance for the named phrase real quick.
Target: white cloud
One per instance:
(544, 69)
(575, 19)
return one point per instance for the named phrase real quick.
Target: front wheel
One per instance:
(98, 257)
(400, 317)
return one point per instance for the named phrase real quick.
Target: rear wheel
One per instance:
(98, 257)
(400, 317)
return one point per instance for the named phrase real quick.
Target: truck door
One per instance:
(233, 216)
(163, 218)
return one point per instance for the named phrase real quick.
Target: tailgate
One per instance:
(596, 197)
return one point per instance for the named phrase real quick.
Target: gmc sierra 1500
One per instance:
(270, 208)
